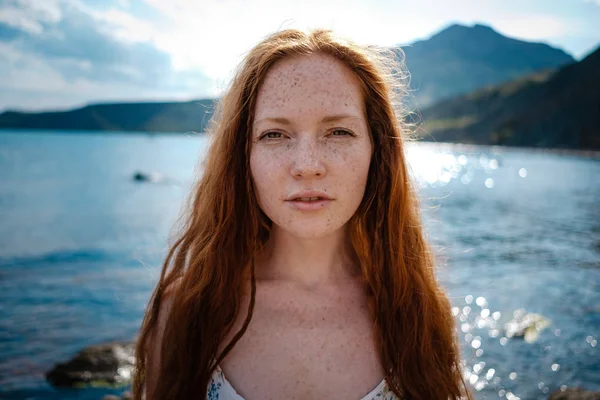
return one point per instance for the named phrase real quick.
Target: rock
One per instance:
(574, 394)
(525, 325)
(154, 177)
(144, 177)
(124, 396)
(104, 365)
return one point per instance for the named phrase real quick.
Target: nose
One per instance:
(307, 160)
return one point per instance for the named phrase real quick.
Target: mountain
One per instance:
(457, 60)
(460, 59)
(149, 117)
(549, 109)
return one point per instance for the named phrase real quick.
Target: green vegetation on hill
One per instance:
(548, 109)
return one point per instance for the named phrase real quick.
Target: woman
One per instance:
(302, 270)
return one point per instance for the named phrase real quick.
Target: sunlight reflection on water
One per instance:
(434, 165)
(491, 339)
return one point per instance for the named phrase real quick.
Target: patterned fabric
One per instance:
(219, 388)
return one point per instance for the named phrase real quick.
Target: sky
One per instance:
(60, 54)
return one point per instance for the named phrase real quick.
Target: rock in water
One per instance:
(574, 394)
(526, 325)
(124, 396)
(153, 177)
(108, 364)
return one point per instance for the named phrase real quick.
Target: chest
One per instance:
(302, 346)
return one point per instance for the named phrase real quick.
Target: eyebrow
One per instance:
(329, 118)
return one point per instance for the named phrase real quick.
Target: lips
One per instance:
(309, 195)
(309, 200)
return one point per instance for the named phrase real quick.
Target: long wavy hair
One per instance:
(207, 266)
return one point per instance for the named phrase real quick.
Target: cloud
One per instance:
(77, 35)
(29, 15)
(534, 27)
(31, 82)
(68, 47)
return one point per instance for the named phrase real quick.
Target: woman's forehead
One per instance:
(313, 84)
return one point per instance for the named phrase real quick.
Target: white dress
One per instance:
(219, 388)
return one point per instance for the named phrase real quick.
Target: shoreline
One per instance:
(472, 147)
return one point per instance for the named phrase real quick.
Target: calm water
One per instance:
(81, 245)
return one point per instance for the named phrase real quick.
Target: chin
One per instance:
(310, 230)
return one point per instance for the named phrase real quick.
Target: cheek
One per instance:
(265, 170)
(352, 162)
(352, 172)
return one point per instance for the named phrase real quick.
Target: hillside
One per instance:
(555, 110)
(460, 59)
(152, 117)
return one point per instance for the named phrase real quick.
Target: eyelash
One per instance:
(265, 135)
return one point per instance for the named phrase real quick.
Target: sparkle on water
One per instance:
(479, 325)
(482, 375)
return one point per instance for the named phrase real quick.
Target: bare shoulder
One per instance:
(155, 339)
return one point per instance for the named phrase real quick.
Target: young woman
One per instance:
(302, 271)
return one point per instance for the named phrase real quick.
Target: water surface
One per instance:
(81, 245)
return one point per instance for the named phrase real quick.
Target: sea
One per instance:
(516, 233)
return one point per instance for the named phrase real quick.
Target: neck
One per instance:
(308, 262)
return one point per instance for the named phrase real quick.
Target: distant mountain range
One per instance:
(547, 109)
(460, 59)
(149, 117)
(534, 105)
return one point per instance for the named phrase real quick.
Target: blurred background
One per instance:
(103, 105)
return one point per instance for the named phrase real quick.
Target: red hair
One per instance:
(205, 269)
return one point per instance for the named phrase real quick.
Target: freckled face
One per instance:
(310, 136)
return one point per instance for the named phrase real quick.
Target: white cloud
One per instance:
(91, 55)
(35, 74)
(47, 10)
(38, 85)
(16, 18)
(534, 27)
(120, 24)
(124, 3)
(30, 16)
